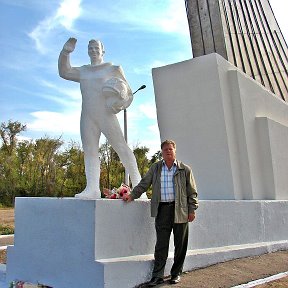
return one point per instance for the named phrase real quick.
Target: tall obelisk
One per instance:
(246, 33)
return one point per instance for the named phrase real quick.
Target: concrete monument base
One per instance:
(76, 243)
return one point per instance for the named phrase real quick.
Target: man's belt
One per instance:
(167, 203)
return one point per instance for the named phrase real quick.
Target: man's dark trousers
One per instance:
(164, 224)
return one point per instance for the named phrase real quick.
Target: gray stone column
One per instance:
(246, 33)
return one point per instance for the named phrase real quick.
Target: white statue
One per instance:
(105, 92)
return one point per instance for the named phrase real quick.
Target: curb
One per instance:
(262, 281)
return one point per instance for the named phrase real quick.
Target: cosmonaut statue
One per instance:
(105, 92)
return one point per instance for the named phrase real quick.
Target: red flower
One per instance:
(117, 193)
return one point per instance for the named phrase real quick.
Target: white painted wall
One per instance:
(76, 243)
(54, 243)
(211, 109)
(274, 139)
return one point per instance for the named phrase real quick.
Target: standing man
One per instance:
(174, 201)
(105, 92)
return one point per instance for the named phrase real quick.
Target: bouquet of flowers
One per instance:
(22, 284)
(117, 193)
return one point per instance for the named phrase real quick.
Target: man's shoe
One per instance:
(175, 279)
(155, 281)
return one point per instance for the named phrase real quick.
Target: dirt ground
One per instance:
(7, 216)
(2, 256)
(222, 275)
(236, 272)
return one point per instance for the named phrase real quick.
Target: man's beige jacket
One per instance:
(186, 200)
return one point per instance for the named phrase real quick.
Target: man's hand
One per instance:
(69, 46)
(191, 216)
(127, 198)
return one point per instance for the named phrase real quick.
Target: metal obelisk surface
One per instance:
(246, 33)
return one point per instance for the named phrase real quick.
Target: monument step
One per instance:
(6, 240)
(195, 259)
(232, 252)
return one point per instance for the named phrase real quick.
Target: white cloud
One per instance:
(68, 11)
(158, 63)
(146, 69)
(154, 129)
(54, 122)
(68, 98)
(72, 93)
(153, 143)
(149, 110)
(174, 20)
(65, 16)
(167, 16)
(65, 103)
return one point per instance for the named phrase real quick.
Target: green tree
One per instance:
(156, 157)
(112, 170)
(71, 162)
(25, 160)
(38, 168)
(8, 157)
(142, 160)
(9, 133)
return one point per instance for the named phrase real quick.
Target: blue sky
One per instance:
(138, 35)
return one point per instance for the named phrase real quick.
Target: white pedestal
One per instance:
(72, 243)
(230, 129)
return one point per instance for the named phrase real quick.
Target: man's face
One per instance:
(95, 51)
(168, 152)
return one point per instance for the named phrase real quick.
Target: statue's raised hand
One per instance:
(69, 46)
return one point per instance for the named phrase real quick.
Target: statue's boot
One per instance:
(89, 195)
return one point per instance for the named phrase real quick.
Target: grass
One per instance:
(6, 229)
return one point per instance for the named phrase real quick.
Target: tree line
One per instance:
(47, 167)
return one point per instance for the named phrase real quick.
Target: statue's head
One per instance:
(95, 49)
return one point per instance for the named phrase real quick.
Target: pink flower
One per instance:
(117, 193)
(123, 189)
(20, 284)
(106, 192)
